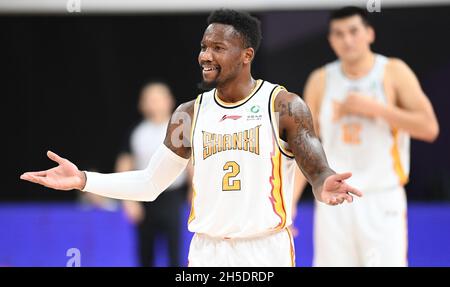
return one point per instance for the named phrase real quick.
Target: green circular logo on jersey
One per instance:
(254, 109)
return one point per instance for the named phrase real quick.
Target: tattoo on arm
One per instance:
(297, 124)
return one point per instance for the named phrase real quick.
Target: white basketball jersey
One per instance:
(243, 173)
(376, 154)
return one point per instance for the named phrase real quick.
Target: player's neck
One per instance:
(359, 67)
(237, 89)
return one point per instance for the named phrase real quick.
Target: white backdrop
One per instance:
(149, 6)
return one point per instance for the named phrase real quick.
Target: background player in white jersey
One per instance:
(243, 162)
(365, 106)
(163, 217)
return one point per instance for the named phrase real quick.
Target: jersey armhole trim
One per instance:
(272, 118)
(197, 105)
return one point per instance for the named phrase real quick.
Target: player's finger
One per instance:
(350, 189)
(340, 199)
(37, 173)
(332, 201)
(34, 179)
(349, 198)
(53, 156)
(342, 176)
(27, 175)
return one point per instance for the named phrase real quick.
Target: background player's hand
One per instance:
(361, 105)
(65, 176)
(335, 190)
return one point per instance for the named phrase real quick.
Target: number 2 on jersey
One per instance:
(228, 184)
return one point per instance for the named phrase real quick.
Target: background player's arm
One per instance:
(314, 93)
(412, 111)
(299, 185)
(134, 210)
(296, 126)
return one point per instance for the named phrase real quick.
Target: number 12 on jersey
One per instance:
(228, 183)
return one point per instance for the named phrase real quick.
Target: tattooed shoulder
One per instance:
(292, 111)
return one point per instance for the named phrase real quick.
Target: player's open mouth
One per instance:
(210, 69)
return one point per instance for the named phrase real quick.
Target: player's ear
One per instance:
(249, 54)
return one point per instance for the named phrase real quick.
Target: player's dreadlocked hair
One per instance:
(246, 25)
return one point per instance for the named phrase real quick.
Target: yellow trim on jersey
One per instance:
(273, 96)
(398, 168)
(258, 84)
(277, 187)
(291, 241)
(192, 213)
(194, 121)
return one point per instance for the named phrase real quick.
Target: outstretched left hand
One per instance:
(335, 190)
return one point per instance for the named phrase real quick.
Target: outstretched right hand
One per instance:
(65, 176)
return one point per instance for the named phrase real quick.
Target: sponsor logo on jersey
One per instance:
(254, 109)
(246, 140)
(254, 113)
(233, 117)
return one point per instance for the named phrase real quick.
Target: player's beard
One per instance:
(207, 86)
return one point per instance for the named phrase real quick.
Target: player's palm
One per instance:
(65, 176)
(335, 190)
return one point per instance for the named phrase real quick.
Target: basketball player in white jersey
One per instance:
(365, 107)
(243, 154)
